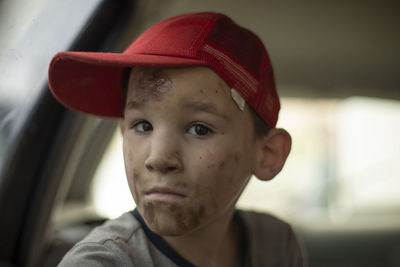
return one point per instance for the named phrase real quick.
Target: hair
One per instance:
(261, 128)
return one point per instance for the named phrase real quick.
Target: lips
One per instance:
(164, 193)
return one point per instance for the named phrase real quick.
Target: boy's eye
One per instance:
(199, 129)
(142, 126)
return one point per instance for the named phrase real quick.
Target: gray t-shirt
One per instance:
(127, 241)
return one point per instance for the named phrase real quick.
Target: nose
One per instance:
(164, 156)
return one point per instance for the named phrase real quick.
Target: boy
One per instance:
(198, 104)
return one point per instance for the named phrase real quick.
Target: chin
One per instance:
(171, 220)
(166, 229)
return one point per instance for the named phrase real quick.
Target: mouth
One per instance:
(164, 194)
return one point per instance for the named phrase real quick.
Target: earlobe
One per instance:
(272, 153)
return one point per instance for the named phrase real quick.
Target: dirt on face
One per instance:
(149, 83)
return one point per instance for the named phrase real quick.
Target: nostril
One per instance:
(171, 168)
(149, 167)
(161, 167)
(162, 164)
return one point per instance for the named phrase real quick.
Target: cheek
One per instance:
(131, 168)
(128, 157)
(133, 150)
(222, 178)
(232, 174)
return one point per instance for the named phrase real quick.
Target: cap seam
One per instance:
(204, 34)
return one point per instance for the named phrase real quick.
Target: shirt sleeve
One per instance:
(97, 254)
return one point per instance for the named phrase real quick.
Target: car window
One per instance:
(31, 33)
(342, 165)
(110, 195)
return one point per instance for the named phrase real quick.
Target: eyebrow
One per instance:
(203, 106)
(134, 104)
(194, 105)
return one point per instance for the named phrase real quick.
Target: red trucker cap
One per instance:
(91, 82)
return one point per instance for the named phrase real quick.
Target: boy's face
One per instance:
(189, 151)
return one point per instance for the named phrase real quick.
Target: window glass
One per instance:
(110, 191)
(31, 33)
(343, 164)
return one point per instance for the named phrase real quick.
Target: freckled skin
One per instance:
(211, 171)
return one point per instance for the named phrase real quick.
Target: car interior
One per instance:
(337, 71)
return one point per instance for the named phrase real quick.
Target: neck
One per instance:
(214, 245)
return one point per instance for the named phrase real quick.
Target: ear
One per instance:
(273, 149)
(122, 126)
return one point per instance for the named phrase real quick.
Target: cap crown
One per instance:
(236, 54)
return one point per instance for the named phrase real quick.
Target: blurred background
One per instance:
(337, 72)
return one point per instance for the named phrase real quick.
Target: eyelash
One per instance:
(194, 125)
(193, 129)
(136, 124)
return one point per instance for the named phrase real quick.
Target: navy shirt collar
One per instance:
(170, 253)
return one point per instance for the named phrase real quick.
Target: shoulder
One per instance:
(271, 240)
(267, 229)
(121, 228)
(106, 245)
(261, 223)
(256, 217)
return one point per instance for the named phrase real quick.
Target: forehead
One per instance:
(154, 84)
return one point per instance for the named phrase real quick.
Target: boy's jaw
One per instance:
(182, 181)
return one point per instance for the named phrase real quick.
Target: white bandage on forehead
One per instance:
(238, 99)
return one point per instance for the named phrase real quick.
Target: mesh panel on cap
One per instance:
(173, 37)
(228, 41)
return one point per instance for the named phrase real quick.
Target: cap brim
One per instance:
(91, 82)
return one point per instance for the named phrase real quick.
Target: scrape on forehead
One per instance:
(149, 83)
